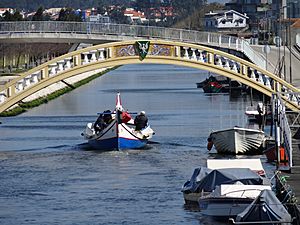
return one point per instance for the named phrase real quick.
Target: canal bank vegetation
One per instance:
(24, 106)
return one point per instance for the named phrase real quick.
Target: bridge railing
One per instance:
(169, 52)
(135, 31)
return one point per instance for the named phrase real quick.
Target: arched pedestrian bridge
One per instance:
(159, 52)
(97, 33)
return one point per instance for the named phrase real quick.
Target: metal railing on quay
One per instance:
(283, 131)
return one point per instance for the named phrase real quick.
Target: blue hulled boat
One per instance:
(119, 133)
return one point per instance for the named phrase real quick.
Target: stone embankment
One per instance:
(51, 91)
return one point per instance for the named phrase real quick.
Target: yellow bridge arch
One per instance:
(160, 52)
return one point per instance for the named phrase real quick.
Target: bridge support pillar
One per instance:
(19, 85)
(2, 97)
(186, 53)
(11, 91)
(109, 53)
(44, 73)
(77, 60)
(27, 81)
(93, 57)
(260, 78)
(244, 70)
(226, 65)
(34, 77)
(210, 58)
(68, 63)
(194, 56)
(234, 67)
(218, 61)
(60, 66)
(268, 83)
(52, 69)
(201, 59)
(101, 54)
(252, 74)
(177, 51)
(85, 58)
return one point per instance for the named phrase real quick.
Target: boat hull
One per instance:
(118, 137)
(212, 87)
(117, 144)
(238, 141)
(223, 208)
(193, 197)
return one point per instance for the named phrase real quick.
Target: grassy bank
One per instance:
(23, 107)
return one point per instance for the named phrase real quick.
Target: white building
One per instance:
(98, 19)
(3, 10)
(225, 21)
(136, 17)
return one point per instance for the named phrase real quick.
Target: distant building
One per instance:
(98, 19)
(53, 13)
(295, 32)
(256, 10)
(136, 17)
(3, 10)
(231, 21)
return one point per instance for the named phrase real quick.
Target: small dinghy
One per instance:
(237, 140)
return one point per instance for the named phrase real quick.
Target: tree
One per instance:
(185, 8)
(195, 21)
(117, 15)
(142, 4)
(69, 14)
(38, 16)
(16, 16)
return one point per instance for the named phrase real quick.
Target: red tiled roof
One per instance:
(296, 24)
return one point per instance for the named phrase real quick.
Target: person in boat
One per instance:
(261, 115)
(140, 121)
(107, 117)
(102, 121)
(99, 124)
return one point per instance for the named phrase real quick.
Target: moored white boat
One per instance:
(227, 201)
(253, 164)
(221, 171)
(119, 134)
(237, 140)
(265, 209)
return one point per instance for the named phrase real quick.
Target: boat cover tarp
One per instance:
(266, 207)
(217, 177)
(198, 175)
(238, 190)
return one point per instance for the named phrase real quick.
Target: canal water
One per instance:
(49, 176)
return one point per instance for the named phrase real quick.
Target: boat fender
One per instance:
(283, 157)
(209, 144)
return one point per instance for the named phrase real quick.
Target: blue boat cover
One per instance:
(204, 179)
(265, 207)
(198, 175)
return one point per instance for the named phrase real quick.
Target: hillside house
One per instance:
(225, 21)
